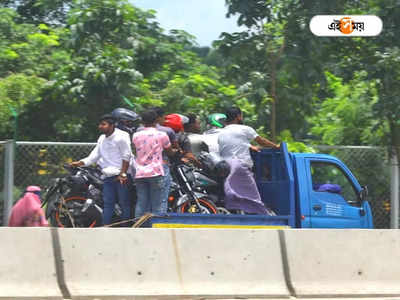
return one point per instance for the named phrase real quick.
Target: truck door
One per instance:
(334, 196)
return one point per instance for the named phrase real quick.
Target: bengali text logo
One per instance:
(346, 26)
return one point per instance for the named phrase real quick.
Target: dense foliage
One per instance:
(60, 72)
(323, 90)
(63, 63)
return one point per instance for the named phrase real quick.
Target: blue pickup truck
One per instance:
(306, 190)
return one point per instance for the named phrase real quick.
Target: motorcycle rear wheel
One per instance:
(206, 207)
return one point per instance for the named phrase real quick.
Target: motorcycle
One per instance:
(195, 190)
(183, 198)
(76, 200)
(206, 183)
(210, 179)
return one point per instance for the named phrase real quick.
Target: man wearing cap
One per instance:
(112, 153)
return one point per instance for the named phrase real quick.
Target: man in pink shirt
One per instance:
(149, 144)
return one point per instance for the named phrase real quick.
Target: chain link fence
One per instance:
(38, 163)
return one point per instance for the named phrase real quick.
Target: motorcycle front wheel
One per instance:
(205, 207)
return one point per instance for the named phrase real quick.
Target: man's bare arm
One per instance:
(123, 179)
(265, 142)
(125, 166)
(170, 151)
(77, 163)
(190, 156)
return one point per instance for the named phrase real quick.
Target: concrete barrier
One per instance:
(230, 262)
(126, 263)
(353, 263)
(27, 265)
(117, 263)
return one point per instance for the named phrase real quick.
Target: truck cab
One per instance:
(341, 204)
(305, 190)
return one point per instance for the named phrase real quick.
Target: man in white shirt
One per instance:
(112, 153)
(234, 140)
(234, 146)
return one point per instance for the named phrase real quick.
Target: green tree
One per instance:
(39, 11)
(16, 92)
(107, 54)
(26, 60)
(275, 60)
(301, 84)
(348, 116)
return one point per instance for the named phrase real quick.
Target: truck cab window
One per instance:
(329, 178)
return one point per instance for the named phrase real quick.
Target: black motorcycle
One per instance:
(76, 200)
(183, 198)
(210, 179)
(195, 190)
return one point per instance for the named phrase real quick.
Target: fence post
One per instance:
(394, 191)
(8, 180)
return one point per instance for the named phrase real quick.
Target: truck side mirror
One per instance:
(363, 193)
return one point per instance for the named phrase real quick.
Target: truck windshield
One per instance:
(329, 178)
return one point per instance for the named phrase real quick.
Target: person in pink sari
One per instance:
(27, 212)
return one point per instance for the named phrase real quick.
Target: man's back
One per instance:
(149, 144)
(197, 143)
(170, 133)
(234, 142)
(210, 137)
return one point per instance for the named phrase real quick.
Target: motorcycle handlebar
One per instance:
(93, 178)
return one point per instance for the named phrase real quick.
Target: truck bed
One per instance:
(218, 221)
(275, 181)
